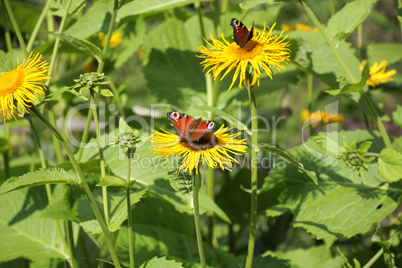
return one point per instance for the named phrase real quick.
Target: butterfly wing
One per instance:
(241, 35)
(198, 128)
(181, 123)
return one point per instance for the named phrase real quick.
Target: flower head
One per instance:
(320, 116)
(167, 144)
(114, 40)
(17, 87)
(263, 51)
(378, 74)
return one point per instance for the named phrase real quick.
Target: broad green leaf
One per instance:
(117, 209)
(248, 4)
(391, 52)
(270, 261)
(23, 232)
(325, 61)
(291, 160)
(312, 257)
(40, 177)
(343, 204)
(227, 117)
(390, 165)
(81, 44)
(161, 262)
(174, 62)
(397, 116)
(95, 20)
(344, 22)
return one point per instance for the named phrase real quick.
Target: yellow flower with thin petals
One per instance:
(320, 116)
(301, 27)
(17, 87)
(168, 145)
(114, 40)
(263, 51)
(378, 74)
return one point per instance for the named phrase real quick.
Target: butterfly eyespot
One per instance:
(211, 125)
(174, 115)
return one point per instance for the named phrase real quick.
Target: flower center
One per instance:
(250, 50)
(11, 81)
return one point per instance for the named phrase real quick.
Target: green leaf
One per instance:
(325, 61)
(183, 185)
(397, 116)
(113, 181)
(117, 209)
(291, 160)
(106, 92)
(40, 177)
(151, 7)
(391, 52)
(345, 21)
(312, 257)
(348, 87)
(174, 62)
(227, 117)
(25, 234)
(390, 165)
(160, 262)
(81, 44)
(343, 204)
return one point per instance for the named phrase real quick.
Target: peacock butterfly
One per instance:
(241, 35)
(195, 134)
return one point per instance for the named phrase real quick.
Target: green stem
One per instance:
(374, 258)
(200, 20)
(196, 210)
(129, 217)
(312, 16)
(37, 25)
(217, 19)
(16, 27)
(84, 135)
(84, 184)
(6, 155)
(108, 37)
(377, 118)
(365, 98)
(310, 98)
(101, 157)
(56, 143)
(254, 150)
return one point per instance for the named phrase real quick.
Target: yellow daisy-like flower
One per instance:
(17, 87)
(378, 74)
(301, 27)
(167, 144)
(318, 117)
(263, 51)
(114, 40)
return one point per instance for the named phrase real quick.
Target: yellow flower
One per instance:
(378, 74)
(320, 116)
(263, 51)
(167, 144)
(301, 27)
(114, 40)
(17, 87)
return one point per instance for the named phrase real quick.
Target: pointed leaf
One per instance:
(40, 177)
(343, 23)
